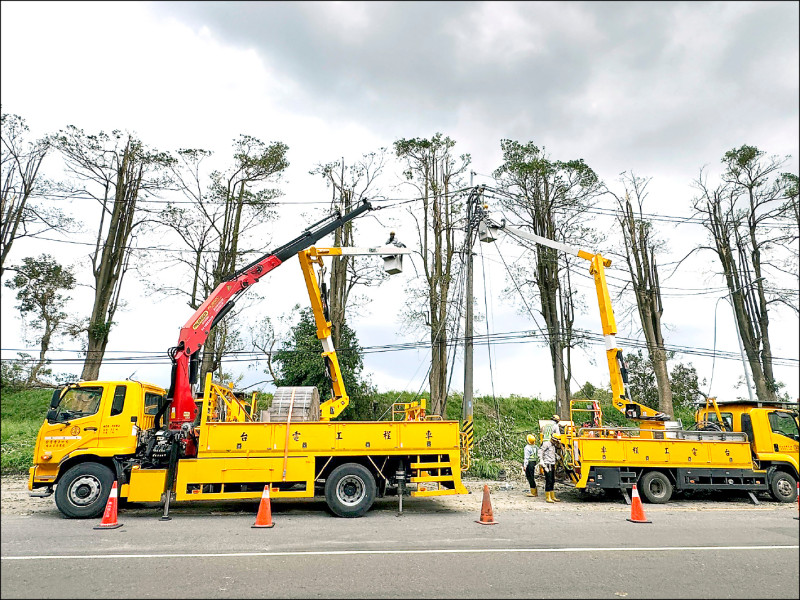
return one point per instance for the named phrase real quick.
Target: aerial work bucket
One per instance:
(393, 264)
(486, 233)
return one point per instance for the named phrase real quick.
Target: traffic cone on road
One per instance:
(264, 516)
(637, 512)
(109, 520)
(487, 517)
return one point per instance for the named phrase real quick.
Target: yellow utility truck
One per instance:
(752, 446)
(749, 446)
(160, 445)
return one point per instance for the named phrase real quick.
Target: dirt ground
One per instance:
(507, 495)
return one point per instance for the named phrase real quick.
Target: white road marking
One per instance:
(431, 551)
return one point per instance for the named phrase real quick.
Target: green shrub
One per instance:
(483, 468)
(22, 414)
(686, 415)
(14, 373)
(25, 405)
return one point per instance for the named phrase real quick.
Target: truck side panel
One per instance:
(637, 452)
(344, 438)
(146, 485)
(241, 478)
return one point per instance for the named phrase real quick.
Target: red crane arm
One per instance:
(195, 333)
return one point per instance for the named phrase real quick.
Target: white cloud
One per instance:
(659, 88)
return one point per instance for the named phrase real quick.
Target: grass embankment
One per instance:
(499, 442)
(22, 415)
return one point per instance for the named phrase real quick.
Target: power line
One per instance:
(514, 336)
(613, 212)
(492, 340)
(693, 291)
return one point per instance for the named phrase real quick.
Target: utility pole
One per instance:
(466, 405)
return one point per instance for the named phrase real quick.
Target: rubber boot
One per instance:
(549, 496)
(553, 496)
(533, 493)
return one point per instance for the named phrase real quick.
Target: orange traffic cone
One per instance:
(487, 517)
(109, 520)
(264, 516)
(637, 512)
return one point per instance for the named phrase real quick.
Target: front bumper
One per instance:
(42, 476)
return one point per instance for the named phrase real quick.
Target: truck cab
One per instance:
(87, 425)
(774, 435)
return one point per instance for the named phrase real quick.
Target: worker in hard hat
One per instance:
(551, 428)
(548, 459)
(531, 457)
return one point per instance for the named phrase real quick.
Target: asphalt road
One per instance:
(425, 553)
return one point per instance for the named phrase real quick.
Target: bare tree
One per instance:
(116, 170)
(435, 173)
(349, 185)
(264, 337)
(549, 197)
(741, 216)
(21, 162)
(215, 227)
(195, 230)
(640, 254)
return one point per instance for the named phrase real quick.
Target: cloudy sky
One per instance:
(660, 89)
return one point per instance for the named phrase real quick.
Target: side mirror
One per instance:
(52, 412)
(55, 398)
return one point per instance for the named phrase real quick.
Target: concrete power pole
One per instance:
(466, 406)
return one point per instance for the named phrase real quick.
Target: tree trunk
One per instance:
(339, 285)
(750, 331)
(49, 328)
(659, 359)
(99, 327)
(430, 162)
(94, 358)
(113, 259)
(640, 257)
(748, 335)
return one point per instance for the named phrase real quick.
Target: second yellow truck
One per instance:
(748, 446)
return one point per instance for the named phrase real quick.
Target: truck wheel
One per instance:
(783, 487)
(656, 487)
(83, 490)
(350, 490)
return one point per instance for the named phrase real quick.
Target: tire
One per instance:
(82, 492)
(656, 487)
(783, 487)
(350, 490)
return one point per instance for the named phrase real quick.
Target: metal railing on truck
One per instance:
(668, 434)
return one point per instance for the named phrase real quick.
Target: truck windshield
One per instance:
(784, 424)
(79, 402)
